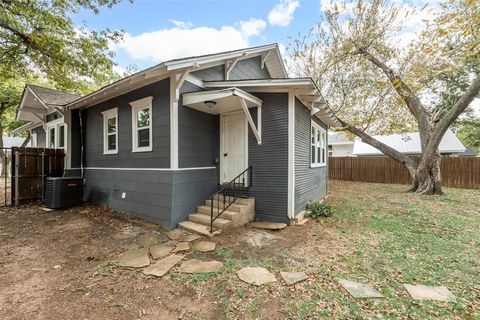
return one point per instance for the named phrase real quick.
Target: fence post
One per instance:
(17, 162)
(43, 174)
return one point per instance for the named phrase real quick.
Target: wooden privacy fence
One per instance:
(30, 167)
(461, 172)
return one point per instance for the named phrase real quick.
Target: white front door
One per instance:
(234, 146)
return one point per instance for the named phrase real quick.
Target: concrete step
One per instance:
(238, 201)
(219, 223)
(227, 214)
(198, 228)
(233, 207)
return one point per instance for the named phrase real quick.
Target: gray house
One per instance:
(161, 142)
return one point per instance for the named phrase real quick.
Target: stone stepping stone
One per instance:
(153, 239)
(190, 237)
(256, 276)
(137, 258)
(199, 266)
(204, 246)
(175, 234)
(359, 290)
(161, 267)
(160, 250)
(181, 246)
(293, 277)
(268, 225)
(421, 292)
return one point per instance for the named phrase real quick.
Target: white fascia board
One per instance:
(195, 97)
(120, 87)
(190, 62)
(259, 83)
(25, 127)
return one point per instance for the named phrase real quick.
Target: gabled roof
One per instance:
(408, 143)
(270, 54)
(52, 97)
(36, 102)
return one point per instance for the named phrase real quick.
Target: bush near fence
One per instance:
(461, 172)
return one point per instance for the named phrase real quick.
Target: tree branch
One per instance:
(389, 151)
(459, 107)
(404, 91)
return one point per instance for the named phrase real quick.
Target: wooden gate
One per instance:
(30, 167)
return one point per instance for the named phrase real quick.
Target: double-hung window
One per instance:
(318, 145)
(56, 134)
(110, 131)
(142, 125)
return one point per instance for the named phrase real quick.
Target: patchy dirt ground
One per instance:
(60, 264)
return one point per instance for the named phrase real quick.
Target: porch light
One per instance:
(210, 104)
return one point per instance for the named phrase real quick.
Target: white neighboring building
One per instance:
(409, 143)
(339, 146)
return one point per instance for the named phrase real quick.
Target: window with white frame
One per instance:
(318, 143)
(142, 125)
(56, 134)
(110, 131)
(34, 138)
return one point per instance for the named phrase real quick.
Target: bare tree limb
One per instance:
(447, 120)
(389, 151)
(404, 91)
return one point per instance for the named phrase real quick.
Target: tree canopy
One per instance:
(377, 82)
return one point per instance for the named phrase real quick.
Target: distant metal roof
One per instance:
(338, 138)
(9, 142)
(408, 143)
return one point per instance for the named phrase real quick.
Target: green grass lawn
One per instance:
(380, 235)
(390, 238)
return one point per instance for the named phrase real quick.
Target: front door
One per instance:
(234, 146)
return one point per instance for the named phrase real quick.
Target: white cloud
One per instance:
(184, 40)
(252, 27)
(181, 24)
(282, 13)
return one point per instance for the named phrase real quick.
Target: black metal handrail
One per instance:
(229, 193)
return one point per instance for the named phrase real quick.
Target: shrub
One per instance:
(319, 209)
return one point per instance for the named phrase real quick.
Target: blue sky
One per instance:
(218, 25)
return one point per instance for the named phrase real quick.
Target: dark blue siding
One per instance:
(270, 160)
(249, 69)
(93, 121)
(41, 136)
(310, 183)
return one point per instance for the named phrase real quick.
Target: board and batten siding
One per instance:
(246, 69)
(270, 159)
(159, 157)
(310, 183)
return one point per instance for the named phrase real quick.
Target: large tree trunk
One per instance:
(427, 178)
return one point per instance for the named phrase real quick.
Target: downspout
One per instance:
(81, 144)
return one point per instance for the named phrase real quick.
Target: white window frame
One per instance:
(138, 105)
(34, 139)
(107, 115)
(319, 145)
(56, 124)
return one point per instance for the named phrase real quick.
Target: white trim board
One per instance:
(291, 155)
(144, 169)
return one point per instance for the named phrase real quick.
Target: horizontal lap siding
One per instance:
(148, 193)
(41, 137)
(198, 135)
(210, 74)
(270, 160)
(310, 183)
(249, 69)
(93, 120)
(76, 142)
(190, 189)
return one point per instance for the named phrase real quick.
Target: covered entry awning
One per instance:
(224, 101)
(220, 101)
